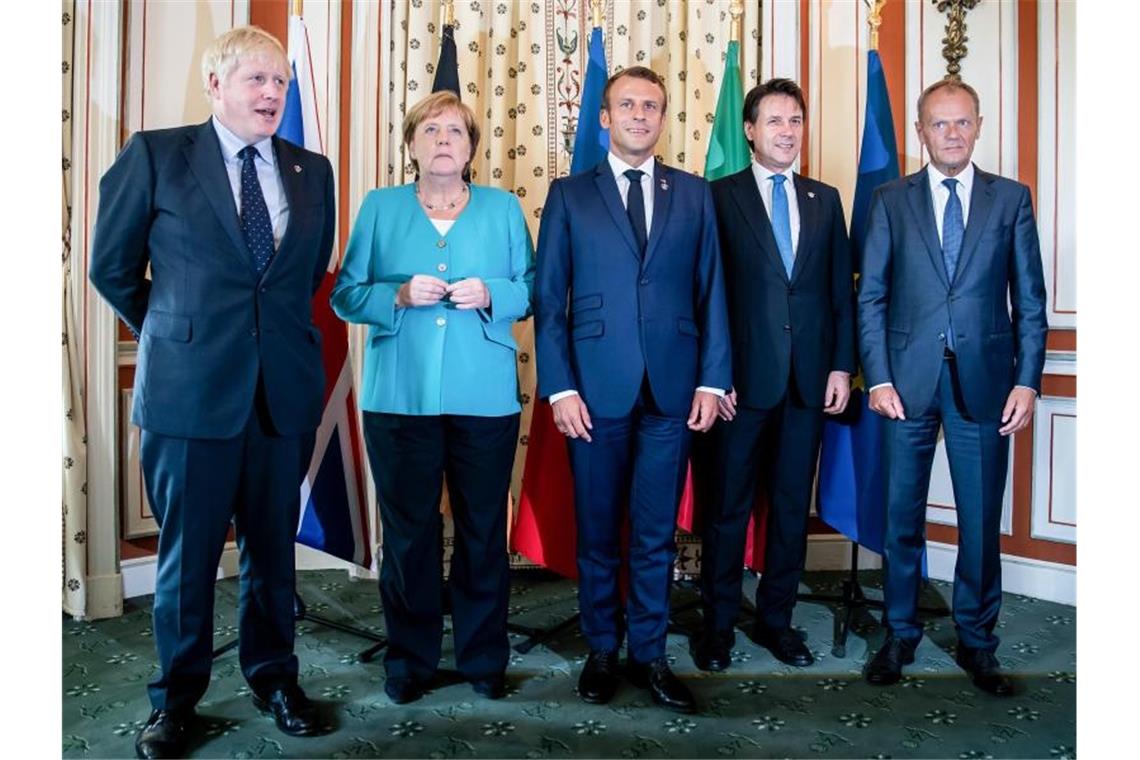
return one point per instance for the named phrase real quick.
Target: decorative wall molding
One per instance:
(1054, 513)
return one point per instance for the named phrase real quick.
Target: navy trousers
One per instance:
(777, 447)
(196, 488)
(637, 462)
(979, 458)
(410, 456)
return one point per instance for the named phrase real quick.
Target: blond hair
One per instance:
(225, 53)
(434, 105)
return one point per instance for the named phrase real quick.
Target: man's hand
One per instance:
(726, 406)
(421, 290)
(1018, 410)
(703, 414)
(886, 401)
(838, 392)
(572, 418)
(471, 293)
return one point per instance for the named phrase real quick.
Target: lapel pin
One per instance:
(664, 184)
(297, 168)
(811, 194)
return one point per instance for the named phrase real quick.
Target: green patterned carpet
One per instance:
(758, 708)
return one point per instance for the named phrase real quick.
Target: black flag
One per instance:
(447, 70)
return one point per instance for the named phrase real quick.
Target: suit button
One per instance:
(442, 267)
(253, 332)
(942, 337)
(644, 280)
(263, 289)
(787, 328)
(441, 244)
(440, 321)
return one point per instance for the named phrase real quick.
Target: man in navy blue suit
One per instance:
(632, 345)
(236, 227)
(951, 313)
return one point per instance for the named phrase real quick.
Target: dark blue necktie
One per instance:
(635, 208)
(953, 229)
(255, 225)
(782, 223)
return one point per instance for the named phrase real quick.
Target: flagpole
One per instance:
(297, 6)
(736, 12)
(875, 20)
(449, 12)
(596, 12)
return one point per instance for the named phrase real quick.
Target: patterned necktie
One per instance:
(781, 223)
(635, 208)
(255, 225)
(952, 229)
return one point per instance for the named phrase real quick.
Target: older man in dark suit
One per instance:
(952, 335)
(236, 228)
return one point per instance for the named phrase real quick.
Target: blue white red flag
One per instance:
(333, 517)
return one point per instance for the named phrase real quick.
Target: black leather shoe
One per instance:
(402, 690)
(599, 678)
(164, 734)
(293, 712)
(984, 671)
(784, 644)
(885, 668)
(712, 651)
(664, 687)
(492, 687)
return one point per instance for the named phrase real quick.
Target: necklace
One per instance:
(443, 206)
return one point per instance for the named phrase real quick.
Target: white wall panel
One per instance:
(1054, 470)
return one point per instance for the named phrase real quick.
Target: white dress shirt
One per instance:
(764, 183)
(267, 176)
(619, 168)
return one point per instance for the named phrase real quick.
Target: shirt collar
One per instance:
(232, 144)
(762, 173)
(965, 177)
(619, 167)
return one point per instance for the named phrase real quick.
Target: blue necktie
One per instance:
(953, 229)
(635, 208)
(781, 223)
(255, 225)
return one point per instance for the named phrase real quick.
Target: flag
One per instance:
(728, 149)
(544, 530)
(591, 142)
(333, 518)
(728, 153)
(851, 495)
(447, 69)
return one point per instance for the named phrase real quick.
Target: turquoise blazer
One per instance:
(433, 360)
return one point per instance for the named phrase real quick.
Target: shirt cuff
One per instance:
(1026, 387)
(880, 385)
(561, 395)
(718, 392)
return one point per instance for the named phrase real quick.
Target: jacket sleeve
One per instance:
(843, 357)
(874, 294)
(552, 280)
(328, 233)
(119, 255)
(357, 297)
(512, 298)
(1027, 297)
(712, 304)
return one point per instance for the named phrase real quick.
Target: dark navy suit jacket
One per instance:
(805, 324)
(996, 300)
(208, 326)
(605, 317)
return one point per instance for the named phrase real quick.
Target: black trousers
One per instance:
(410, 456)
(777, 447)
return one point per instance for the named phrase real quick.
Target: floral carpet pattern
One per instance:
(757, 708)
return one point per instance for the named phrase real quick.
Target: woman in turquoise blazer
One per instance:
(439, 270)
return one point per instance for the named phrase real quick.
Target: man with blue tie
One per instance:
(632, 346)
(236, 228)
(952, 327)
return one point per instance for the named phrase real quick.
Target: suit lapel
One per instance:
(981, 202)
(808, 205)
(608, 189)
(204, 156)
(747, 198)
(662, 200)
(292, 179)
(921, 205)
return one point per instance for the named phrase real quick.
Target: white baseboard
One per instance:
(834, 553)
(138, 574)
(104, 597)
(1050, 581)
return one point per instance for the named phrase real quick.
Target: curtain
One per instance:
(74, 527)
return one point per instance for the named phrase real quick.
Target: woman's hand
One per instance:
(421, 290)
(471, 293)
